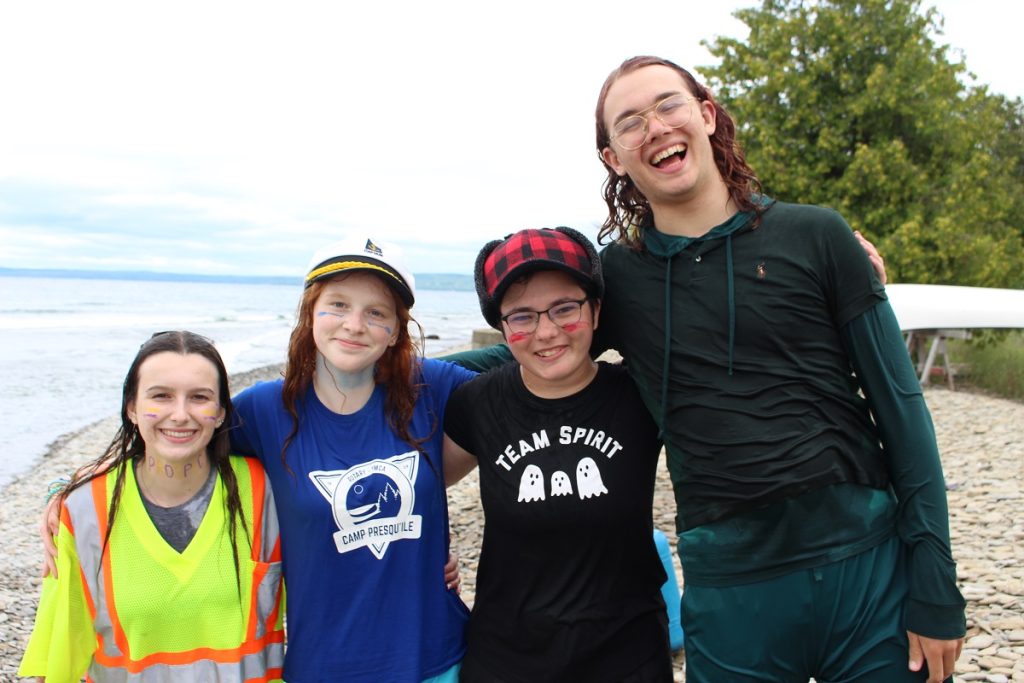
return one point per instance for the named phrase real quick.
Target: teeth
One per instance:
(546, 354)
(177, 435)
(664, 154)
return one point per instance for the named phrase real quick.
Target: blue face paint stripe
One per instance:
(371, 323)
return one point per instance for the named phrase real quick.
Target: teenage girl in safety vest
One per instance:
(169, 562)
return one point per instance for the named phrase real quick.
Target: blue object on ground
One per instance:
(670, 591)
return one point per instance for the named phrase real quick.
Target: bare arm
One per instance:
(50, 521)
(458, 462)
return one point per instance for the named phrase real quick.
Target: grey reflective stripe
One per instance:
(85, 522)
(252, 666)
(271, 528)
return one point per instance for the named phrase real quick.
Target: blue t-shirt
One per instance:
(364, 533)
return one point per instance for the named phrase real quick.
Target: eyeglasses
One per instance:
(631, 132)
(562, 314)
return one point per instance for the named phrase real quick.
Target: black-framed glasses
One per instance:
(563, 313)
(631, 132)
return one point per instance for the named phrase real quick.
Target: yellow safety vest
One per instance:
(145, 612)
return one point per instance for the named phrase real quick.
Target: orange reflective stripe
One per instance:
(251, 645)
(227, 656)
(257, 486)
(65, 518)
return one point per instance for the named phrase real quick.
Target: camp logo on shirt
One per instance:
(372, 502)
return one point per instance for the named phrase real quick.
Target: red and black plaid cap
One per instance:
(502, 262)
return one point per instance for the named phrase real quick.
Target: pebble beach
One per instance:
(982, 444)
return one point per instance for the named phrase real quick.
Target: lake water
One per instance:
(65, 344)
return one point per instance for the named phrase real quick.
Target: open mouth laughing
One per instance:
(673, 152)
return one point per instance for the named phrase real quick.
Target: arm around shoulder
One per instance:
(458, 462)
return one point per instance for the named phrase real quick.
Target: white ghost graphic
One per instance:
(531, 486)
(588, 479)
(560, 484)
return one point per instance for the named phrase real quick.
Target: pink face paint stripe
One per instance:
(519, 337)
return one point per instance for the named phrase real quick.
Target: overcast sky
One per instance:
(237, 137)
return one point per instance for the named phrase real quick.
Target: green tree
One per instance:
(851, 104)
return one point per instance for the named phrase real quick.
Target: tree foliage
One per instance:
(852, 104)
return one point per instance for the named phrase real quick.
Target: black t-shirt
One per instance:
(568, 586)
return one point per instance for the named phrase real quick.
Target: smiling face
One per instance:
(354, 322)
(177, 408)
(555, 361)
(673, 165)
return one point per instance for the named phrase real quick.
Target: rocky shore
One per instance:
(982, 445)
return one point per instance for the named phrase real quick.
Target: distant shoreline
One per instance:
(454, 282)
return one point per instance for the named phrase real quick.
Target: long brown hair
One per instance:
(628, 208)
(127, 448)
(397, 369)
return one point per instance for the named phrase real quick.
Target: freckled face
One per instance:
(177, 407)
(355, 320)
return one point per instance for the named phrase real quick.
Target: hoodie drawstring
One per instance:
(667, 354)
(732, 298)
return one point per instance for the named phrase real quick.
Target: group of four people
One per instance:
(758, 347)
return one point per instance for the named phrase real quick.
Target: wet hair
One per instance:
(128, 448)
(628, 209)
(397, 369)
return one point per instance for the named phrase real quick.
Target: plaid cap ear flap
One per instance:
(480, 277)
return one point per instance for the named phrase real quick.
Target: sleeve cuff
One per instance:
(942, 622)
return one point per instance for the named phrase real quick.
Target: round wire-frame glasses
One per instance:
(631, 132)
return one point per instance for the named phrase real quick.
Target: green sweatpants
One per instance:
(842, 622)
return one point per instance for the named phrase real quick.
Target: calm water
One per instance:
(65, 344)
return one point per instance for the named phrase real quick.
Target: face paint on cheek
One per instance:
(382, 326)
(210, 415)
(519, 337)
(150, 413)
(321, 314)
(572, 327)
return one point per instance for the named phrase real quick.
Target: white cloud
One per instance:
(244, 135)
